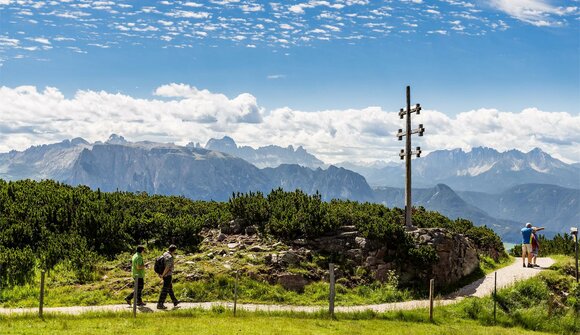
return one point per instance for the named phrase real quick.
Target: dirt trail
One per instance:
(482, 287)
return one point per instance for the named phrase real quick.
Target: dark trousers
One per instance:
(166, 289)
(140, 284)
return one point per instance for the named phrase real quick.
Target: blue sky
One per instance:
(308, 56)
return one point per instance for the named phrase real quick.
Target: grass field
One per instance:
(222, 322)
(549, 302)
(112, 284)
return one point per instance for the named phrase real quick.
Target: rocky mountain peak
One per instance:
(116, 139)
(225, 144)
(78, 141)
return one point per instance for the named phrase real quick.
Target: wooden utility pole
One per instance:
(407, 152)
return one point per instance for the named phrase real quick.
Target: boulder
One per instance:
(251, 230)
(289, 257)
(258, 248)
(355, 254)
(232, 227)
(361, 242)
(292, 282)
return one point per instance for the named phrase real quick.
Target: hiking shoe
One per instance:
(536, 265)
(161, 307)
(530, 266)
(175, 303)
(141, 304)
(524, 264)
(128, 302)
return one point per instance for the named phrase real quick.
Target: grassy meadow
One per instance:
(220, 322)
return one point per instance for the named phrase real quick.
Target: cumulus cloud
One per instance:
(181, 113)
(536, 12)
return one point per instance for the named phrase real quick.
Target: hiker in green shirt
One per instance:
(138, 271)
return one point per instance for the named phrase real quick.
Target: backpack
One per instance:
(159, 266)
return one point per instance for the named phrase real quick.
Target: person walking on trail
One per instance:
(527, 243)
(166, 276)
(138, 272)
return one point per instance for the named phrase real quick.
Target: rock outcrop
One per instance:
(358, 259)
(457, 256)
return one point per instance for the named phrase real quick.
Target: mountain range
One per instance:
(500, 190)
(170, 169)
(481, 170)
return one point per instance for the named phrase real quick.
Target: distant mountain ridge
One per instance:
(481, 169)
(169, 169)
(268, 156)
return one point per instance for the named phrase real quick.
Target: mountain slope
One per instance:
(332, 183)
(193, 173)
(48, 161)
(556, 208)
(444, 200)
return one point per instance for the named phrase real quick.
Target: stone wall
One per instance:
(457, 255)
(358, 259)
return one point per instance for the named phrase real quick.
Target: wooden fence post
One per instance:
(494, 297)
(236, 292)
(431, 296)
(41, 304)
(332, 290)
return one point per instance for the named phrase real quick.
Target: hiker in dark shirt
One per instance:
(167, 279)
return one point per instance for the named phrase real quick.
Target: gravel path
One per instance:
(482, 287)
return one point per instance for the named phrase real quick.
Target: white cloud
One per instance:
(193, 4)
(182, 113)
(536, 12)
(189, 14)
(281, 23)
(252, 8)
(440, 32)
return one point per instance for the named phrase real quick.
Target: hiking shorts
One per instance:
(535, 252)
(526, 249)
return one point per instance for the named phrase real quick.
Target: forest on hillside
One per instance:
(46, 223)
